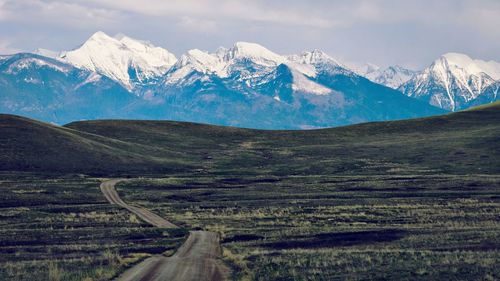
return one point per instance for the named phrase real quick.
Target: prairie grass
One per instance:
(366, 227)
(68, 231)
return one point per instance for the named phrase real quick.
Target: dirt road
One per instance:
(108, 188)
(196, 259)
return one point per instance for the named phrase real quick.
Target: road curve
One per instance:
(108, 189)
(196, 259)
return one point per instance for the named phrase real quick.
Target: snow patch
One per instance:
(473, 66)
(247, 61)
(302, 84)
(26, 63)
(113, 57)
(392, 77)
(47, 53)
(460, 78)
(313, 57)
(256, 53)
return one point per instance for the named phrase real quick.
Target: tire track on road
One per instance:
(197, 259)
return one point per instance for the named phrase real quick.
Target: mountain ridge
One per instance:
(246, 85)
(453, 81)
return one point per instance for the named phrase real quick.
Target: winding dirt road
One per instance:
(108, 188)
(196, 259)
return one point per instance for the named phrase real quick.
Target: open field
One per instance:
(440, 227)
(462, 142)
(62, 228)
(198, 258)
(412, 199)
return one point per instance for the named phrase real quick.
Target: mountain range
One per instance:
(454, 82)
(246, 85)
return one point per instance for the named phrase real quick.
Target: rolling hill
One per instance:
(29, 145)
(462, 142)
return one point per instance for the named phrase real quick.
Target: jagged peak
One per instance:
(313, 57)
(113, 56)
(134, 43)
(101, 36)
(457, 58)
(27, 60)
(468, 65)
(399, 68)
(221, 52)
(368, 68)
(198, 56)
(254, 51)
(198, 60)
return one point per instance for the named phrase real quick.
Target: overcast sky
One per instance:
(410, 33)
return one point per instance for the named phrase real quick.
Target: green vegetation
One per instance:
(64, 229)
(463, 142)
(439, 227)
(413, 199)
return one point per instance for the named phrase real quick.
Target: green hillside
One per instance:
(463, 142)
(29, 145)
(404, 200)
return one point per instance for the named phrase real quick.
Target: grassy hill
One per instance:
(29, 145)
(403, 200)
(463, 142)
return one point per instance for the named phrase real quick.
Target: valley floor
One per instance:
(427, 227)
(357, 227)
(54, 228)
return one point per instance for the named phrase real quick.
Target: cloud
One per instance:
(6, 47)
(57, 13)
(410, 32)
(258, 11)
(3, 11)
(197, 25)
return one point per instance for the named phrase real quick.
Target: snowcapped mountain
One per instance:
(392, 76)
(251, 86)
(122, 59)
(245, 85)
(255, 53)
(247, 64)
(489, 95)
(313, 62)
(54, 91)
(47, 53)
(453, 81)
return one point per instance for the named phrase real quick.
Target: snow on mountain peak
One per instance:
(365, 69)
(204, 62)
(47, 53)
(196, 60)
(201, 57)
(225, 61)
(113, 57)
(458, 58)
(453, 80)
(473, 66)
(234, 62)
(100, 36)
(257, 53)
(392, 76)
(313, 57)
(303, 84)
(221, 52)
(30, 61)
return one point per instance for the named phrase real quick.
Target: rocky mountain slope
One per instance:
(245, 85)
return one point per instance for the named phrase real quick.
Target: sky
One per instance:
(410, 33)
